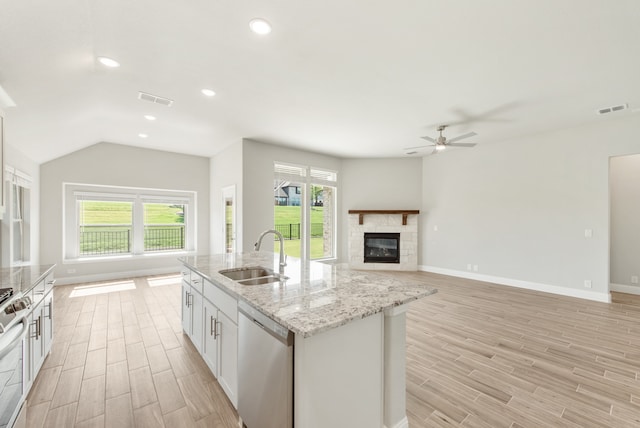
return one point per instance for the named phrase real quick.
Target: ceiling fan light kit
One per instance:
(441, 142)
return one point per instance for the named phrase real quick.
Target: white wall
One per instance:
(118, 165)
(625, 220)
(519, 209)
(379, 184)
(257, 197)
(226, 170)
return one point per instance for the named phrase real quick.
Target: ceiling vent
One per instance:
(155, 99)
(613, 109)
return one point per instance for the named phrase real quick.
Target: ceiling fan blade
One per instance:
(428, 139)
(418, 147)
(461, 144)
(460, 137)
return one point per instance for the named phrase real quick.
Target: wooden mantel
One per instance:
(404, 214)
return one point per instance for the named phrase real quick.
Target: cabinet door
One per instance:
(37, 339)
(196, 319)
(186, 308)
(210, 343)
(228, 361)
(47, 321)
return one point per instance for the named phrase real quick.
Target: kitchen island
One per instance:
(349, 326)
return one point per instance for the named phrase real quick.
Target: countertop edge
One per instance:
(311, 332)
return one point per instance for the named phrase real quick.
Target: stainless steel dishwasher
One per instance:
(265, 370)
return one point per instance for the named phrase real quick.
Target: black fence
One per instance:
(162, 238)
(292, 230)
(95, 241)
(116, 239)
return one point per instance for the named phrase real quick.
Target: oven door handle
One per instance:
(14, 342)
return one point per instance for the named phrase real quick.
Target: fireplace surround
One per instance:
(383, 222)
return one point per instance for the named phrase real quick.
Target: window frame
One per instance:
(74, 192)
(308, 176)
(15, 178)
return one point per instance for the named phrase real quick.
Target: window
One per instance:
(163, 226)
(118, 221)
(105, 226)
(305, 210)
(18, 191)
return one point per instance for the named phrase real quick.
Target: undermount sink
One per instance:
(254, 275)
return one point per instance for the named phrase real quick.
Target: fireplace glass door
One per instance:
(382, 248)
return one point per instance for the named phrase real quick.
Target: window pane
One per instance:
(164, 226)
(322, 221)
(287, 216)
(105, 227)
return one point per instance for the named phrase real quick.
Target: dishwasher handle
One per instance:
(276, 330)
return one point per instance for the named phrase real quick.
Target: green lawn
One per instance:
(98, 237)
(94, 212)
(285, 215)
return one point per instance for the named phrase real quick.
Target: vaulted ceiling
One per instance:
(357, 78)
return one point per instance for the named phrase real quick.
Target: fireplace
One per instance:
(382, 248)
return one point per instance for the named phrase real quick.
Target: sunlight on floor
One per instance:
(107, 287)
(164, 280)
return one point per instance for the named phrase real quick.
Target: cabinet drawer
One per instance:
(227, 304)
(186, 274)
(49, 282)
(37, 293)
(196, 282)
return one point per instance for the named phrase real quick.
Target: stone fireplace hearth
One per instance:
(380, 222)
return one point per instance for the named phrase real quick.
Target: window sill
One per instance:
(118, 258)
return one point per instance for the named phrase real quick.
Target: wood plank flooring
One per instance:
(483, 355)
(119, 359)
(478, 355)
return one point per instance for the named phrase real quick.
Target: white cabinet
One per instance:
(210, 318)
(37, 339)
(228, 357)
(192, 314)
(47, 323)
(210, 343)
(40, 335)
(220, 347)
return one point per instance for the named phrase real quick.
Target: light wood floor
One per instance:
(119, 359)
(478, 355)
(482, 355)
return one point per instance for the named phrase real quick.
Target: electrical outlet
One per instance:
(475, 268)
(588, 233)
(435, 228)
(587, 283)
(469, 266)
(634, 279)
(71, 271)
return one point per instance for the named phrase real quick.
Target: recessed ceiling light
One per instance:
(260, 26)
(108, 62)
(149, 117)
(143, 135)
(208, 92)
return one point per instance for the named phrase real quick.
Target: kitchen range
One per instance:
(26, 332)
(302, 344)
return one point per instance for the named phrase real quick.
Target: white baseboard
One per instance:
(623, 288)
(108, 276)
(403, 423)
(554, 289)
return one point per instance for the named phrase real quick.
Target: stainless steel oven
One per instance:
(13, 330)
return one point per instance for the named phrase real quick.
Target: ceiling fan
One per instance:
(441, 142)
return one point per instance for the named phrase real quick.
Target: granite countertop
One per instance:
(23, 278)
(316, 296)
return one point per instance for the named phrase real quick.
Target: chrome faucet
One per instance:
(283, 257)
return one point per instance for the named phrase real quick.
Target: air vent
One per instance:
(613, 109)
(154, 99)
